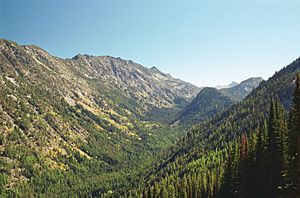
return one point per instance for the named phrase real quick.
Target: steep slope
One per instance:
(197, 162)
(147, 88)
(88, 114)
(246, 115)
(211, 101)
(207, 103)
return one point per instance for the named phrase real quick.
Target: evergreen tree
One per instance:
(228, 187)
(294, 141)
(282, 143)
(243, 165)
(260, 160)
(276, 153)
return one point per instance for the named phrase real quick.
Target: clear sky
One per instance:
(205, 42)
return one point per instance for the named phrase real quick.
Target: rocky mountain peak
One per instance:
(240, 91)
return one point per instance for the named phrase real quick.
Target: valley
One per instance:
(101, 126)
(95, 115)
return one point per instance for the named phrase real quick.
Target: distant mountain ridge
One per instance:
(145, 82)
(211, 101)
(239, 91)
(232, 84)
(207, 103)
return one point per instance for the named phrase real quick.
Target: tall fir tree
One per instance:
(294, 141)
(276, 151)
(270, 157)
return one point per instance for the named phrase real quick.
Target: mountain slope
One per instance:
(197, 162)
(240, 91)
(88, 114)
(207, 103)
(148, 93)
(249, 113)
(146, 86)
(211, 101)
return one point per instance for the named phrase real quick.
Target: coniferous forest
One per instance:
(149, 99)
(263, 163)
(100, 126)
(91, 137)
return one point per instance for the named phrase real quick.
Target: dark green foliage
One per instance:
(253, 165)
(276, 149)
(294, 140)
(264, 172)
(249, 142)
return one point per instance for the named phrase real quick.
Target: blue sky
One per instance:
(207, 43)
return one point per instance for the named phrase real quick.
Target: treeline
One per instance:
(263, 163)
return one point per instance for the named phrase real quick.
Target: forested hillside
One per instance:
(247, 151)
(207, 103)
(99, 126)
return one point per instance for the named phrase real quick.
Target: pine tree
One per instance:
(260, 160)
(228, 183)
(276, 155)
(294, 140)
(282, 142)
(243, 165)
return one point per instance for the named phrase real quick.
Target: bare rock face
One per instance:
(149, 86)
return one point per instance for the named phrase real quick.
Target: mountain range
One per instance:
(101, 109)
(102, 126)
(211, 101)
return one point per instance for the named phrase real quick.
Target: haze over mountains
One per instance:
(211, 101)
(232, 84)
(104, 126)
(238, 92)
